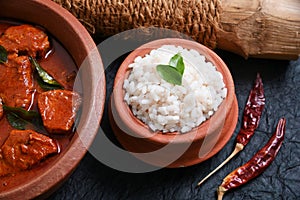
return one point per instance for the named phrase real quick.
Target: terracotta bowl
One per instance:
(41, 182)
(173, 149)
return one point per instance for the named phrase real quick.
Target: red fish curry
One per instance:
(37, 105)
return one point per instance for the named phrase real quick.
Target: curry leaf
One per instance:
(45, 77)
(3, 55)
(16, 122)
(169, 74)
(29, 115)
(177, 62)
(47, 86)
(22, 119)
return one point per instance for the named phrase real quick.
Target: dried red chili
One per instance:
(257, 164)
(252, 112)
(251, 117)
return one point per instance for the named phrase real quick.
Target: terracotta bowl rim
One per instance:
(136, 125)
(47, 182)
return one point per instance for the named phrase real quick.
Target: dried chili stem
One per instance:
(237, 149)
(257, 164)
(221, 191)
(251, 117)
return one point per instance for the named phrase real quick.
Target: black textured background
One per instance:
(93, 180)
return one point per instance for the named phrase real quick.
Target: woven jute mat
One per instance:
(200, 19)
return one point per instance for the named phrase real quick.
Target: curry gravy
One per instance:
(60, 65)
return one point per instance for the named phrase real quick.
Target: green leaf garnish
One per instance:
(46, 86)
(177, 62)
(21, 119)
(3, 55)
(173, 72)
(16, 122)
(25, 114)
(169, 74)
(46, 80)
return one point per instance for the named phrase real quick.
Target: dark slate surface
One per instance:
(94, 180)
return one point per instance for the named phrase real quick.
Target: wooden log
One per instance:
(261, 28)
(256, 28)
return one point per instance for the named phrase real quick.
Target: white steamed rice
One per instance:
(167, 107)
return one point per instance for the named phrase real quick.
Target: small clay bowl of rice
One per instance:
(175, 115)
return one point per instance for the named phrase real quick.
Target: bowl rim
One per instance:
(94, 101)
(197, 133)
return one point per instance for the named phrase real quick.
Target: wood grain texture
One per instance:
(261, 28)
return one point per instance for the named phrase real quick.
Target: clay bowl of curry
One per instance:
(52, 92)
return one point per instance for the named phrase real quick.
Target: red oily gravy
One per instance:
(60, 65)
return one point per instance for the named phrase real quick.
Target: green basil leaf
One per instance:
(169, 74)
(46, 78)
(177, 62)
(3, 55)
(173, 72)
(29, 115)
